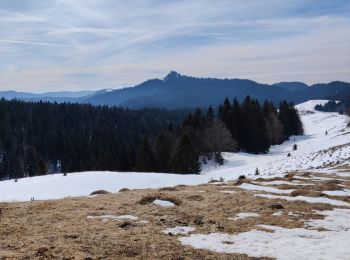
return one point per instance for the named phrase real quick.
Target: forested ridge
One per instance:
(41, 138)
(36, 138)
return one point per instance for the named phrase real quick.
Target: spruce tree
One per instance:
(145, 160)
(186, 159)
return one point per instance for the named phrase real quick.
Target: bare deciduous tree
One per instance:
(216, 139)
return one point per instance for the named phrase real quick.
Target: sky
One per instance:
(56, 45)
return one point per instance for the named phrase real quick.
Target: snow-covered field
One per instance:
(315, 150)
(282, 243)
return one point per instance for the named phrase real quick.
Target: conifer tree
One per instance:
(145, 159)
(186, 159)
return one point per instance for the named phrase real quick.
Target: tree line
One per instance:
(247, 127)
(41, 138)
(341, 107)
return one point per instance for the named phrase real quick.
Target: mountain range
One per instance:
(180, 91)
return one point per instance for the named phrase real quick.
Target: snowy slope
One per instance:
(315, 149)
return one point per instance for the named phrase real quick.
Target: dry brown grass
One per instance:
(61, 229)
(307, 193)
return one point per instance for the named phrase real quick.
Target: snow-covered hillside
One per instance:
(316, 149)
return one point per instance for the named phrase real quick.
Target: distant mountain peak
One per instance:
(172, 75)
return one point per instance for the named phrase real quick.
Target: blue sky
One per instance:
(93, 44)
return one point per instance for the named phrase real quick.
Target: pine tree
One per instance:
(42, 167)
(145, 160)
(186, 159)
(290, 119)
(273, 125)
(210, 116)
(123, 164)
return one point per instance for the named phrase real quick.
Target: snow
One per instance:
(345, 193)
(336, 220)
(112, 217)
(228, 191)
(244, 215)
(283, 182)
(306, 199)
(179, 231)
(163, 203)
(317, 178)
(141, 222)
(282, 243)
(315, 149)
(343, 174)
(252, 187)
(277, 214)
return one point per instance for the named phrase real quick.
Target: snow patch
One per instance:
(163, 203)
(283, 182)
(305, 199)
(282, 243)
(179, 231)
(344, 193)
(112, 217)
(252, 187)
(278, 213)
(228, 191)
(244, 215)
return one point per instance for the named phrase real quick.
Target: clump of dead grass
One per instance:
(149, 199)
(168, 189)
(307, 193)
(195, 198)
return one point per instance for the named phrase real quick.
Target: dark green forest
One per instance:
(43, 138)
(341, 107)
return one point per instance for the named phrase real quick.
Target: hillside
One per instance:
(297, 207)
(304, 215)
(176, 91)
(315, 150)
(179, 91)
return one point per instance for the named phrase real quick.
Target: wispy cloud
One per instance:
(43, 43)
(33, 43)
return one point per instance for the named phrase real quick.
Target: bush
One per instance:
(295, 147)
(257, 171)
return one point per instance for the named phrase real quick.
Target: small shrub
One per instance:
(168, 189)
(64, 174)
(257, 171)
(276, 206)
(295, 147)
(288, 155)
(219, 159)
(99, 192)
